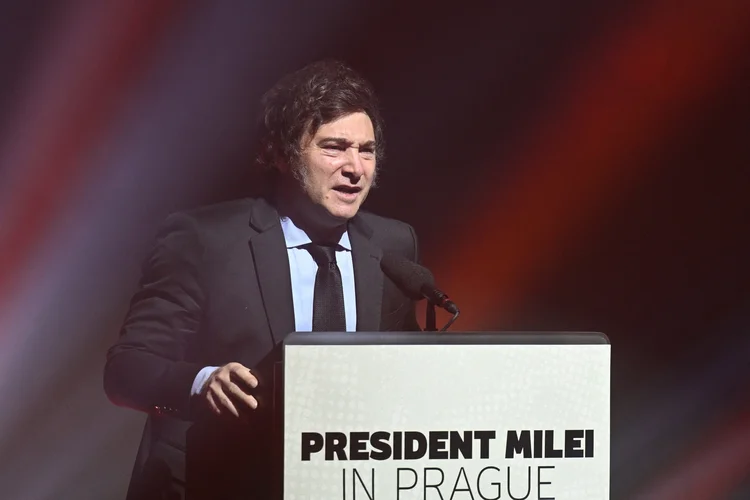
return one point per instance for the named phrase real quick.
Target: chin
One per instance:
(342, 214)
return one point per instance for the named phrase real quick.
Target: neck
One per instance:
(311, 218)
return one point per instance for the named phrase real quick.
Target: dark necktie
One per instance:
(328, 298)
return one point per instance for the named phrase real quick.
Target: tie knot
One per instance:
(324, 255)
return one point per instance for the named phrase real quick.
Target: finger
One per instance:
(246, 376)
(212, 403)
(225, 402)
(238, 393)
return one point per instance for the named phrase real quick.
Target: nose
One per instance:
(353, 168)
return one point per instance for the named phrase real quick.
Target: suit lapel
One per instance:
(274, 280)
(368, 278)
(272, 269)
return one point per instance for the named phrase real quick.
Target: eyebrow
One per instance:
(345, 142)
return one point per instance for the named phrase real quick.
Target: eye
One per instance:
(335, 147)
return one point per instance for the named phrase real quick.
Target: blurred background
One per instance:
(568, 165)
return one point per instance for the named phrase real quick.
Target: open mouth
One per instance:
(347, 189)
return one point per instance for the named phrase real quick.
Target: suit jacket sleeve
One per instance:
(150, 366)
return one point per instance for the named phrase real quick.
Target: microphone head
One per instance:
(407, 275)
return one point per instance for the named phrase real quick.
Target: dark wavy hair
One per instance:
(304, 100)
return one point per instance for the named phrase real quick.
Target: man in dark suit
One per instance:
(226, 283)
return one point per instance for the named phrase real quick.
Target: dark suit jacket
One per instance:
(215, 289)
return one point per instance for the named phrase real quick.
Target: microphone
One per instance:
(415, 281)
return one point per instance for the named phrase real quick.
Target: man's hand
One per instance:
(226, 390)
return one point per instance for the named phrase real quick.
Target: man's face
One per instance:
(337, 167)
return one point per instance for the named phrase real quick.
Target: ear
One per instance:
(281, 164)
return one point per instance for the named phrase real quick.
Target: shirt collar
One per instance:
(296, 237)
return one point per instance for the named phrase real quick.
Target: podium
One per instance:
(427, 415)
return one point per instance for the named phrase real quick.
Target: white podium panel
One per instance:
(438, 417)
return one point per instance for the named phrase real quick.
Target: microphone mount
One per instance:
(440, 299)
